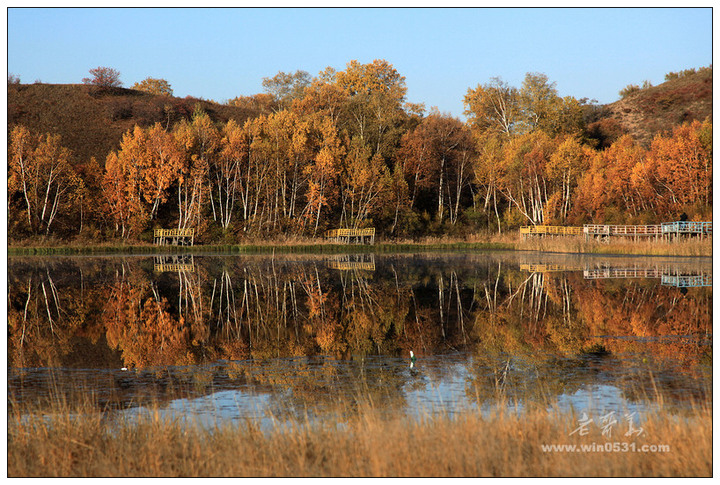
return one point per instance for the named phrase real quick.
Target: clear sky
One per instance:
(218, 54)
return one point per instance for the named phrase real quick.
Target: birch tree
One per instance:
(493, 107)
(40, 171)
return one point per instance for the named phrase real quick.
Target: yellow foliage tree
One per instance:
(154, 86)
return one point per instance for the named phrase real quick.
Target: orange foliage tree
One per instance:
(122, 184)
(40, 172)
(680, 165)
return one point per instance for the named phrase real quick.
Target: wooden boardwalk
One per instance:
(348, 236)
(174, 237)
(607, 230)
(551, 231)
(680, 228)
(666, 230)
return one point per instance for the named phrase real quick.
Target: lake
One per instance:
(217, 338)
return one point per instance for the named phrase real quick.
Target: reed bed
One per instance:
(80, 441)
(473, 242)
(319, 247)
(617, 246)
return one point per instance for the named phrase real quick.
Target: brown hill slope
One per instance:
(658, 109)
(92, 121)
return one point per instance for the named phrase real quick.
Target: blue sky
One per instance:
(218, 54)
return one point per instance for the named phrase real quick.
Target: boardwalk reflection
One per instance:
(669, 274)
(346, 262)
(174, 263)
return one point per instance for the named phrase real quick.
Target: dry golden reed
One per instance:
(570, 244)
(367, 444)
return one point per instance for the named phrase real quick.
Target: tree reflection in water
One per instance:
(313, 331)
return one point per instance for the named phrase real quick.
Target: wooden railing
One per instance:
(552, 230)
(666, 229)
(369, 231)
(347, 235)
(687, 227)
(617, 230)
(174, 236)
(175, 232)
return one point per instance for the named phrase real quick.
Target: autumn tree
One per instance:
(200, 141)
(543, 109)
(104, 77)
(122, 182)
(322, 98)
(437, 156)
(322, 171)
(497, 107)
(227, 172)
(567, 164)
(375, 96)
(488, 170)
(493, 107)
(255, 105)
(40, 171)
(160, 167)
(154, 86)
(288, 137)
(412, 160)
(680, 165)
(539, 102)
(524, 180)
(399, 190)
(255, 174)
(89, 199)
(606, 189)
(364, 180)
(626, 180)
(287, 87)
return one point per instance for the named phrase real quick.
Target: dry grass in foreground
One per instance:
(369, 445)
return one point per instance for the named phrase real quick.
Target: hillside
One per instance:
(92, 121)
(657, 109)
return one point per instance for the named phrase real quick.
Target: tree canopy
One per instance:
(346, 149)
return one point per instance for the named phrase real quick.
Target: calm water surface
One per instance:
(218, 338)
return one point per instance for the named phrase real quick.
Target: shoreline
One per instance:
(688, 248)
